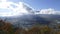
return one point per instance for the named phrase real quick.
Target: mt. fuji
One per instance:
(14, 9)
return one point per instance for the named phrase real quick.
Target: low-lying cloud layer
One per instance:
(49, 11)
(12, 9)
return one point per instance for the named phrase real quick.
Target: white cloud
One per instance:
(49, 11)
(15, 8)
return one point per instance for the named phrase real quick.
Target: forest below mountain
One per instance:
(7, 28)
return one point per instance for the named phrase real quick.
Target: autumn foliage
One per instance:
(7, 28)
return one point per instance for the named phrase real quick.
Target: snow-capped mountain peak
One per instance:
(14, 8)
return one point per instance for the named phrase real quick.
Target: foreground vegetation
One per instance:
(7, 28)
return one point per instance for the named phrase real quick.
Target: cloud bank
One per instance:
(49, 11)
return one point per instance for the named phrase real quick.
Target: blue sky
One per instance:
(42, 4)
